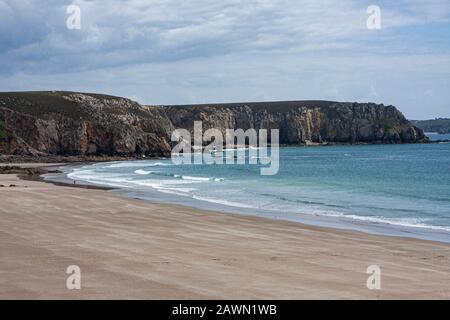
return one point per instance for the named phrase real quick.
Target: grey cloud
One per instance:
(205, 50)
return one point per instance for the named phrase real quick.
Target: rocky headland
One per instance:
(440, 125)
(70, 125)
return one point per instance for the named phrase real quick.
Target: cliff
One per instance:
(301, 122)
(68, 123)
(441, 125)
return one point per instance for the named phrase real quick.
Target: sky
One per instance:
(205, 51)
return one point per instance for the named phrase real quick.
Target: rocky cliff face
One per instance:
(305, 121)
(67, 123)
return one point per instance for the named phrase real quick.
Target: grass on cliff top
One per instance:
(42, 103)
(60, 94)
(39, 104)
(273, 106)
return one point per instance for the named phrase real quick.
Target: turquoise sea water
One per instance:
(393, 189)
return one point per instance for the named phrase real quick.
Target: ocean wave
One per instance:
(178, 176)
(142, 172)
(141, 164)
(402, 222)
(177, 190)
(91, 176)
(202, 178)
(223, 202)
(159, 164)
(399, 222)
(125, 164)
(173, 192)
(160, 182)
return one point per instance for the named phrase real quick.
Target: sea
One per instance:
(398, 190)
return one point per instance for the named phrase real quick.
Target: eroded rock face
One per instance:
(303, 122)
(67, 123)
(80, 124)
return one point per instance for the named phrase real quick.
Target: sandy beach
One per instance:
(130, 249)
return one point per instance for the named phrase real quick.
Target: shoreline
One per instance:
(341, 223)
(129, 248)
(227, 210)
(50, 159)
(156, 197)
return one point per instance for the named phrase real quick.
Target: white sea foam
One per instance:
(91, 177)
(142, 172)
(189, 178)
(125, 164)
(201, 178)
(402, 222)
(174, 192)
(223, 202)
(137, 164)
(195, 178)
(178, 190)
(159, 164)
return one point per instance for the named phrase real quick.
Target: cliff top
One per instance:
(37, 103)
(70, 104)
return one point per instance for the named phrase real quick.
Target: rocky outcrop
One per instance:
(67, 123)
(306, 121)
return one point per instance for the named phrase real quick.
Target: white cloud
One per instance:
(170, 51)
(194, 27)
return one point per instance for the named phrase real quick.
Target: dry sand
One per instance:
(132, 249)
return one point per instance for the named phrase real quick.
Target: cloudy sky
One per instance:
(200, 51)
